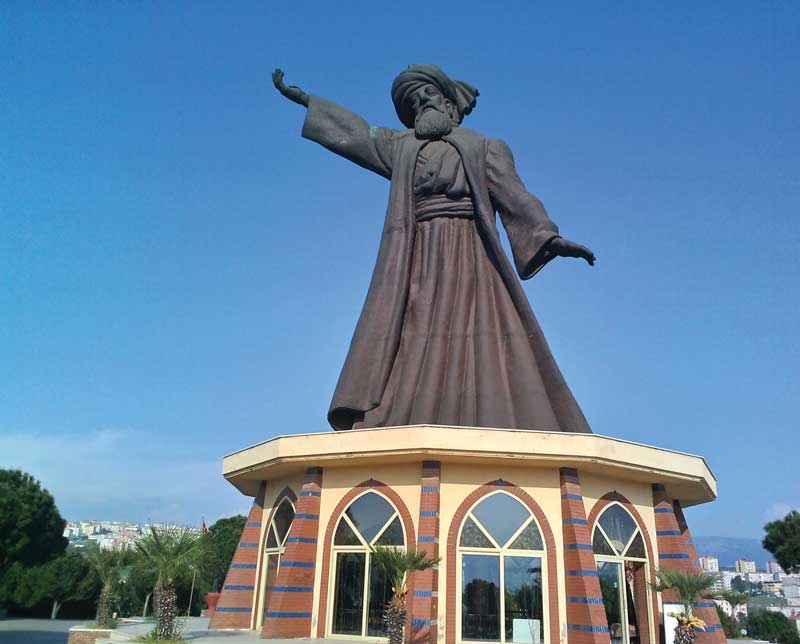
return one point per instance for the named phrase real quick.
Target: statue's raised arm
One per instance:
(292, 92)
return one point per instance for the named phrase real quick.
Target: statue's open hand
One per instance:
(566, 248)
(292, 92)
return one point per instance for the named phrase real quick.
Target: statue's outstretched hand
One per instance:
(566, 248)
(292, 92)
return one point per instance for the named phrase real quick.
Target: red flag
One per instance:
(203, 528)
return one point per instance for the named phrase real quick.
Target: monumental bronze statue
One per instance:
(446, 336)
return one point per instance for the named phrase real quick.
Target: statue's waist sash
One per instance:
(431, 206)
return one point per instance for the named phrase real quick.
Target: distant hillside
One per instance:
(729, 549)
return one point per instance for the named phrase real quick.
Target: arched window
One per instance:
(501, 562)
(622, 567)
(277, 533)
(361, 589)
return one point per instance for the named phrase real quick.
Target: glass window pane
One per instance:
(528, 539)
(393, 535)
(636, 549)
(638, 614)
(344, 535)
(348, 596)
(610, 587)
(380, 592)
(480, 597)
(630, 603)
(472, 536)
(524, 614)
(272, 574)
(283, 520)
(501, 515)
(600, 545)
(272, 542)
(369, 513)
(618, 525)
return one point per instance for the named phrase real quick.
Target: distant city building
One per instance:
(739, 611)
(709, 564)
(791, 590)
(774, 587)
(745, 565)
(774, 566)
(109, 535)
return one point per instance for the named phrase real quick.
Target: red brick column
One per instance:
(291, 600)
(586, 615)
(235, 606)
(704, 609)
(674, 553)
(424, 603)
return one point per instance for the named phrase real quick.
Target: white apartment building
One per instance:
(709, 564)
(745, 565)
(774, 566)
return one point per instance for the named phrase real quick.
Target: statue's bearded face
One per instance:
(433, 113)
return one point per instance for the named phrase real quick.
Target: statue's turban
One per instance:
(462, 95)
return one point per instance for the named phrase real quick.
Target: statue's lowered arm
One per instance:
(342, 131)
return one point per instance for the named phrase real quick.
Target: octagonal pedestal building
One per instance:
(542, 537)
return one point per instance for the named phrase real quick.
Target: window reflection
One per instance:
(361, 588)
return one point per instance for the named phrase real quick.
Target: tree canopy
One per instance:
(223, 537)
(783, 541)
(772, 627)
(31, 528)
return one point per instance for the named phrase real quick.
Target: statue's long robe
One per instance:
(495, 187)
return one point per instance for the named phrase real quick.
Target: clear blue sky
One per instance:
(181, 272)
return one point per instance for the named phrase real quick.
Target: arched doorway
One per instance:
(501, 573)
(621, 558)
(360, 587)
(277, 534)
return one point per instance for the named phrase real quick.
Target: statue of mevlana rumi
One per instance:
(446, 336)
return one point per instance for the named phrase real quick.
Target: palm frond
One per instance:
(687, 585)
(168, 551)
(398, 563)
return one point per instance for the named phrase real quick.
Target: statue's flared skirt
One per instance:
(464, 356)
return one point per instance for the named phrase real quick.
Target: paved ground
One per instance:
(36, 631)
(46, 631)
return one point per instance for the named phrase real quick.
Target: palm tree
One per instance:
(168, 552)
(688, 586)
(105, 564)
(398, 564)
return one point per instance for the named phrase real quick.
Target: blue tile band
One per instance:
(305, 515)
(298, 564)
(247, 544)
(423, 622)
(578, 546)
(292, 589)
(310, 493)
(585, 600)
(587, 628)
(668, 533)
(673, 555)
(423, 593)
(301, 540)
(581, 573)
(238, 587)
(664, 511)
(428, 540)
(243, 565)
(429, 513)
(430, 488)
(233, 609)
(572, 497)
(253, 524)
(288, 615)
(576, 521)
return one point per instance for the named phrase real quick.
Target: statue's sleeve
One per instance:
(526, 221)
(347, 134)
